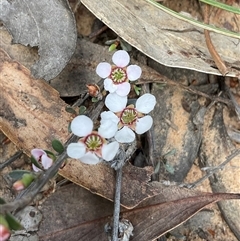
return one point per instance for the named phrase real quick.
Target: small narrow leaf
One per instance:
(82, 109)
(12, 222)
(18, 174)
(2, 201)
(58, 146)
(35, 162)
(69, 109)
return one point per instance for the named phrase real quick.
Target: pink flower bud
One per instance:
(4, 233)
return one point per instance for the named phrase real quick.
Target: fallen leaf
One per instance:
(167, 40)
(52, 29)
(81, 215)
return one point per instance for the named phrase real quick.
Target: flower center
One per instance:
(93, 142)
(118, 75)
(128, 116)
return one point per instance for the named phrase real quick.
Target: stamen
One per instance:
(128, 116)
(118, 75)
(93, 142)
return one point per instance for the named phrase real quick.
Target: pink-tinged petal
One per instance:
(123, 89)
(125, 135)
(115, 102)
(121, 58)
(107, 129)
(110, 150)
(90, 158)
(109, 115)
(37, 153)
(81, 125)
(109, 86)
(4, 233)
(103, 69)
(133, 72)
(46, 162)
(36, 169)
(76, 150)
(146, 103)
(143, 124)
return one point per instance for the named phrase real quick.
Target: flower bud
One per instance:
(4, 229)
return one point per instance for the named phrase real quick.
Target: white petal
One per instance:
(133, 72)
(109, 86)
(145, 103)
(121, 58)
(90, 158)
(76, 150)
(37, 153)
(115, 102)
(109, 115)
(144, 124)
(103, 69)
(46, 162)
(36, 169)
(109, 151)
(81, 125)
(123, 89)
(108, 128)
(125, 135)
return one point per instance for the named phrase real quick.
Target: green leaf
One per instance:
(69, 109)
(2, 201)
(35, 162)
(137, 89)
(82, 109)
(3, 221)
(112, 47)
(12, 222)
(193, 21)
(94, 100)
(169, 168)
(58, 146)
(18, 174)
(222, 6)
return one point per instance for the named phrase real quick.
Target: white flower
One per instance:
(42, 158)
(92, 146)
(127, 119)
(117, 76)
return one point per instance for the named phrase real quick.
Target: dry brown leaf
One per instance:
(168, 40)
(81, 216)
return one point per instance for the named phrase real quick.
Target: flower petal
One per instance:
(90, 158)
(76, 150)
(134, 72)
(81, 125)
(121, 58)
(143, 124)
(123, 89)
(109, 115)
(110, 150)
(37, 153)
(109, 86)
(145, 103)
(115, 102)
(46, 162)
(125, 135)
(36, 169)
(103, 69)
(107, 129)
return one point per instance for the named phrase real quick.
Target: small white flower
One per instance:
(127, 119)
(93, 145)
(117, 77)
(43, 159)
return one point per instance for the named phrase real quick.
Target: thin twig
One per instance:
(165, 80)
(216, 57)
(117, 204)
(212, 170)
(10, 160)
